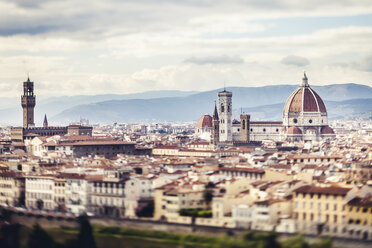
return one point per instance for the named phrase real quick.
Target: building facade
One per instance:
(304, 120)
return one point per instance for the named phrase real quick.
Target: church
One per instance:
(304, 120)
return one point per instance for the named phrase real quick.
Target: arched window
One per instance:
(243, 124)
(222, 108)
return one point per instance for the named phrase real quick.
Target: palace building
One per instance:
(29, 131)
(304, 120)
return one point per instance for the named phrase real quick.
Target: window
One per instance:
(310, 121)
(294, 120)
(243, 124)
(222, 108)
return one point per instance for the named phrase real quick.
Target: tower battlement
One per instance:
(28, 102)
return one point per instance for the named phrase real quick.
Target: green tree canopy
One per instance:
(85, 239)
(39, 238)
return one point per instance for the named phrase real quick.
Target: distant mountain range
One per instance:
(263, 103)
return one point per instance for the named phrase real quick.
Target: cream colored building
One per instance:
(40, 192)
(108, 194)
(12, 189)
(359, 217)
(321, 210)
(171, 198)
(59, 193)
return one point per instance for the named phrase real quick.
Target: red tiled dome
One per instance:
(294, 130)
(327, 130)
(204, 121)
(304, 99)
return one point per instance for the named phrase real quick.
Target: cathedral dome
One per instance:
(294, 130)
(304, 99)
(327, 130)
(204, 121)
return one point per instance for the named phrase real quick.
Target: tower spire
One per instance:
(215, 114)
(45, 123)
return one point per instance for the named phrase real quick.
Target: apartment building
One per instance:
(40, 192)
(321, 210)
(12, 189)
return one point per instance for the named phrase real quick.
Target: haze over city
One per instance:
(122, 47)
(191, 123)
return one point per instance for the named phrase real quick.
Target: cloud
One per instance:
(223, 59)
(119, 46)
(365, 64)
(295, 60)
(99, 18)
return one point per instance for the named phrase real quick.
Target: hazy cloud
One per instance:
(116, 46)
(295, 60)
(364, 64)
(223, 59)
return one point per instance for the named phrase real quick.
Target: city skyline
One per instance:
(114, 47)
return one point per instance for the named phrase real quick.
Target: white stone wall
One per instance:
(40, 188)
(77, 196)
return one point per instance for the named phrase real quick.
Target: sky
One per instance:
(80, 47)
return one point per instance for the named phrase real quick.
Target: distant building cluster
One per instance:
(304, 119)
(306, 177)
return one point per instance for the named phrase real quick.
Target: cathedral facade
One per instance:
(304, 120)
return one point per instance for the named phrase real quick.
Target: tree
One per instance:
(295, 242)
(85, 239)
(324, 243)
(39, 238)
(208, 196)
(39, 204)
(146, 211)
(9, 236)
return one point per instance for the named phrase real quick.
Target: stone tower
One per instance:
(28, 103)
(225, 115)
(244, 128)
(215, 127)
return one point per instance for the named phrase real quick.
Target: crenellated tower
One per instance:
(28, 103)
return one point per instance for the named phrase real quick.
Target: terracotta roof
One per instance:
(304, 99)
(99, 143)
(204, 121)
(323, 190)
(294, 130)
(327, 130)
(362, 202)
(167, 147)
(240, 169)
(11, 174)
